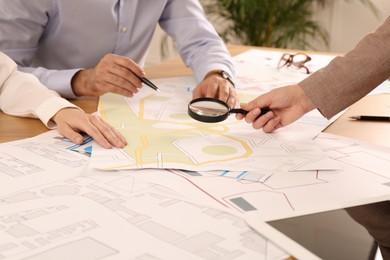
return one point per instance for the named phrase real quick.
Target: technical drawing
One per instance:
(161, 135)
(93, 218)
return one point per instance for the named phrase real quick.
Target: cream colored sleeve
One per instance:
(21, 94)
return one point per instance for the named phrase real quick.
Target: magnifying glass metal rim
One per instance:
(209, 119)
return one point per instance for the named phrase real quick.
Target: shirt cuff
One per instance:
(49, 108)
(60, 82)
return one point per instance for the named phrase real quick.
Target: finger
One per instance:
(232, 101)
(278, 126)
(212, 89)
(93, 132)
(240, 116)
(232, 98)
(252, 115)
(124, 82)
(245, 106)
(68, 132)
(272, 125)
(197, 92)
(128, 75)
(261, 121)
(108, 87)
(123, 73)
(105, 80)
(108, 132)
(130, 65)
(87, 125)
(260, 102)
(223, 89)
(118, 135)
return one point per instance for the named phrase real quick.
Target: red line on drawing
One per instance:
(198, 187)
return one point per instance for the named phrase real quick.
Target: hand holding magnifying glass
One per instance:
(212, 110)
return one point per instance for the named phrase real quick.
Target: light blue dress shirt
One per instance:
(54, 39)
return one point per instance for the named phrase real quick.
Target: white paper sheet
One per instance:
(162, 135)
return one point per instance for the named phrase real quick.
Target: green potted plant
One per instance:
(270, 23)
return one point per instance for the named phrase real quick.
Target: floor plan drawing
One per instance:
(181, 189)
(162, 135)
(96, 218)
(38, 160)
(285, 194)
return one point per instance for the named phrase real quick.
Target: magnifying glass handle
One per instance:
(244, 112)
(238, 111)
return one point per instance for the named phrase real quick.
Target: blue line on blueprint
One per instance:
(224, 173)
(241, 174)
(86, 140)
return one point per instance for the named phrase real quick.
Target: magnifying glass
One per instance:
(212, 110)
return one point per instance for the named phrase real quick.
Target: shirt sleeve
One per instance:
(350, 77)
(30, 24)
(21, 94)
(198, 43)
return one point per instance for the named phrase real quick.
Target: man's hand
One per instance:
(215, 86)
(71, 121)
(286, 105)
(113, 73)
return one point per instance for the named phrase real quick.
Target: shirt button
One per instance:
(124, 29)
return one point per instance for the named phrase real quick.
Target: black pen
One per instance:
(371, 118)
(147, 82)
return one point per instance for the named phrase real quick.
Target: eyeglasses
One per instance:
(296, 60)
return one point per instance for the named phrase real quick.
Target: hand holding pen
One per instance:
(148, 82)
(113, 73)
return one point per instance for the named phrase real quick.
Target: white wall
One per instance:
(347, 21)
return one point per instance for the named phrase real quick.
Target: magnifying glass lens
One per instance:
(212, 110)
(208, 108)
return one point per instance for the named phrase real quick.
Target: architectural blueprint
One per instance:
(190, 214)
(20, 167)
(161, 135)
(86, 218)
(364, 178)
(56, 204)
(56, 208)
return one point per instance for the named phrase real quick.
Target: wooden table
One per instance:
(14, 128)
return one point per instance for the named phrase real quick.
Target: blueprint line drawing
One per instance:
(55, 202)
(50, 216)
(61, 219)
(161, 135)
(25, 163)
(284, 194)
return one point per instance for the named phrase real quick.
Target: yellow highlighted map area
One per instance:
(162, 135)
